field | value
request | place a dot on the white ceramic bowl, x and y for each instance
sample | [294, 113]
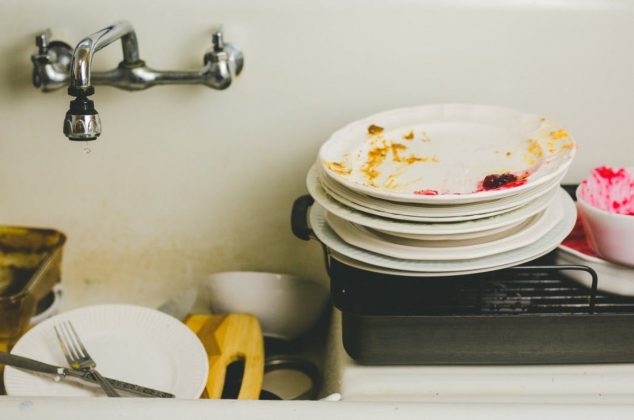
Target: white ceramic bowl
[610, 235]
[287, 306]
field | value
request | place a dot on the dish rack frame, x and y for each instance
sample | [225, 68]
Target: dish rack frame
[527, 314]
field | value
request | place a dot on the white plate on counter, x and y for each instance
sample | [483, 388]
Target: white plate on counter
[541, 246]
[446, 150]
[131, 343]
[410, 249]
[428, 213]
[412, 228]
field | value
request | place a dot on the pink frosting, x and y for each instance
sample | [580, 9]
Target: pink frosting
[609, 190]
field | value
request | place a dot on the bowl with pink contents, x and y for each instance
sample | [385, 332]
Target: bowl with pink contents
[606, 207]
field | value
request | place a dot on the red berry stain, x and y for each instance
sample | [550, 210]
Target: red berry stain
[608, 173]
[426, 192]
[501, 181]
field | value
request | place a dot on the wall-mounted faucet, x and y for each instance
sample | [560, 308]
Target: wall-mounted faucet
[56, 65]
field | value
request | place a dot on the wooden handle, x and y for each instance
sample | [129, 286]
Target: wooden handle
[228, 338]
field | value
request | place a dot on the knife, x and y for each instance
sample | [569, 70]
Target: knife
[62, 372]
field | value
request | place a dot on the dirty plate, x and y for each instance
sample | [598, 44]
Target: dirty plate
[131, 343]
[439, 154]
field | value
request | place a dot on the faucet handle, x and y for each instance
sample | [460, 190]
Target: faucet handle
[236, 58]
[217, 41]
[223, 51]
[41, 40]
[51, 62]
[45, 45]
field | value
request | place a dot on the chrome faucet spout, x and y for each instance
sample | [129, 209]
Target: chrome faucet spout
[86, 48]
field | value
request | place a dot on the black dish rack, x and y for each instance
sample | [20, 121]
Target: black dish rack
[529, 314]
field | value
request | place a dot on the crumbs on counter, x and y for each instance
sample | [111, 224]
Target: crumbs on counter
[375, 130]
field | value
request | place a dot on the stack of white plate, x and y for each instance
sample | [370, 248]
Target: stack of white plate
[442, 190]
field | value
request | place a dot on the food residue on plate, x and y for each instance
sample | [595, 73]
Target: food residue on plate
[339, 167]
[559, 134]
[379, 153]
[426, 192]
[409, 136]
[534, 152]
[375, 130]
[547, 141]
[501, 181]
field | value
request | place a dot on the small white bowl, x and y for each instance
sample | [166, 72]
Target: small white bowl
[287, 306]
[610, 235]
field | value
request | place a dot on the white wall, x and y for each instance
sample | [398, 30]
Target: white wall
[186, 180]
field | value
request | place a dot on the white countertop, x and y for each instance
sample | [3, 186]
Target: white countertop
[132, 408]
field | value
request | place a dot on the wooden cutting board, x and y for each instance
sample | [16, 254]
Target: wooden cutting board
[228, 338]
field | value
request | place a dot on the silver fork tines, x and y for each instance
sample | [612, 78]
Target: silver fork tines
[77, 356]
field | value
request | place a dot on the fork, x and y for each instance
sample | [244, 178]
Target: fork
[77, 356]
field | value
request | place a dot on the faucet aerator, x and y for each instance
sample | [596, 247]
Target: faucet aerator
[82, 122]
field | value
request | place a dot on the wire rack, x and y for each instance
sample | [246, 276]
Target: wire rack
[531, 289]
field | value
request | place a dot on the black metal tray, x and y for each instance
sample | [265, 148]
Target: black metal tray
[524, 315]
[530, 314]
